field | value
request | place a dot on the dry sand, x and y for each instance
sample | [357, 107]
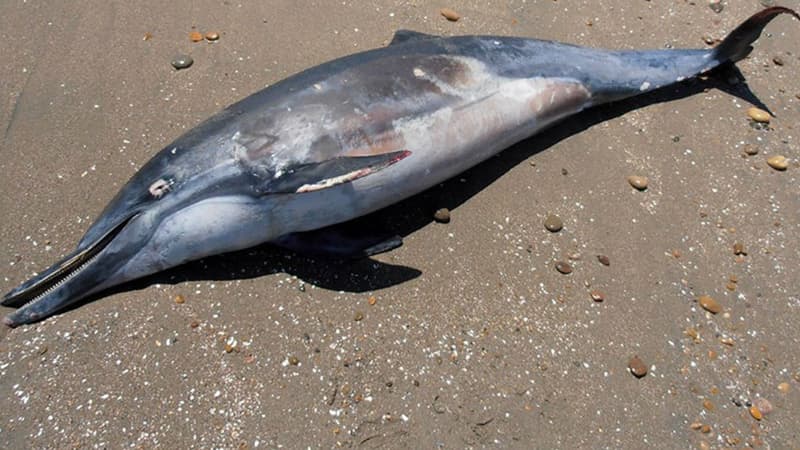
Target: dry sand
[473, 340]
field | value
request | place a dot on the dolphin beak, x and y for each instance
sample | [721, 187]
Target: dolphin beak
[79, 274]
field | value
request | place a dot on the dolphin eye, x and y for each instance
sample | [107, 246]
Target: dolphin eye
[160, 187]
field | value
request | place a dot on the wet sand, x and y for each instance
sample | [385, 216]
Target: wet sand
[466, 336]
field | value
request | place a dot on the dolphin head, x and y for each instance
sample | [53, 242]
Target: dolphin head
[177, 208]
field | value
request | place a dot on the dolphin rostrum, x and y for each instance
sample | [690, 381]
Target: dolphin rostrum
[346, 138]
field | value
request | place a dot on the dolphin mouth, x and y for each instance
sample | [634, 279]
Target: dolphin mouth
[38, 288]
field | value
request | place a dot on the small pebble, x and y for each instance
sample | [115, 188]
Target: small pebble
[179, 299]
[756, 413]
[738, 249]
[709, 304]
[638, 182]
[359, 316]
[372, 300]
[763, 405]
[705, 429]
[293, 360]
[716, 6]
[637, 367]
[597, 296]
[442, 215]
[604, 260]
[784, 387]
[696, 425]
[730, 285]
[758, 115]
[147, 36]
[777, 60]
[212, 36]
[563, 267]
[692, 333]
[778, 162]
[708, 405]
[553, 223]
[182, 62]
[195, 36]
[750, 150]
[450, 14]
[194, 324]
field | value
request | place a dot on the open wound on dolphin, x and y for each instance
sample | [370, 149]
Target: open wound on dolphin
[322, 175]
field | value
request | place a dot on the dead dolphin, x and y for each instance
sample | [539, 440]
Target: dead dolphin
[346, 138]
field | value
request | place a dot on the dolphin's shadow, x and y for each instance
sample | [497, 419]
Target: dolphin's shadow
[407, 216]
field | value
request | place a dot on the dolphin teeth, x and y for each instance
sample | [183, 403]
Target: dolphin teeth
[61, 272]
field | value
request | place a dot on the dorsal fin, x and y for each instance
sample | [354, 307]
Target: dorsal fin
[401, 36]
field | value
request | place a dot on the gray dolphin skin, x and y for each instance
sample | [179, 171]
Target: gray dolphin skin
[347, 138]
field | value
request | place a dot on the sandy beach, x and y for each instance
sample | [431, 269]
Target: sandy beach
[467, 336]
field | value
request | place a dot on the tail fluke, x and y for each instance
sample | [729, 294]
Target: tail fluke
[737, 44]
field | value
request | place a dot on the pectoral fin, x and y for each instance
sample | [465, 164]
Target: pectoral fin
[339, 241]
[322, 175]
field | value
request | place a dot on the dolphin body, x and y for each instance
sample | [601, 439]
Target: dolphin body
[346, 138]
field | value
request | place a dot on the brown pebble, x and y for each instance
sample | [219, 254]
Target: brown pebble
[450, 14]
[777, 60]
[692, 333]
[372, 300]
[705, 429]
[563, 267]
[708, 405]
[738, 249]
[553, 223]
[194, 324]
[147, 36]
[293, 360]
[212, 36]
[705, 445]
[712, 355]
[637, 367]
[756, 413]
[604, 260]
[731, 286]
[750, 150]
[696, 425]
[638, 182]
[784, 387]
[758, 115]
[195, 36]
[442, 215]
[676, 253]
[733, 279]
[597, 296]
[179, 299]
[709, 304]
[778, 162]
[359, 316]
